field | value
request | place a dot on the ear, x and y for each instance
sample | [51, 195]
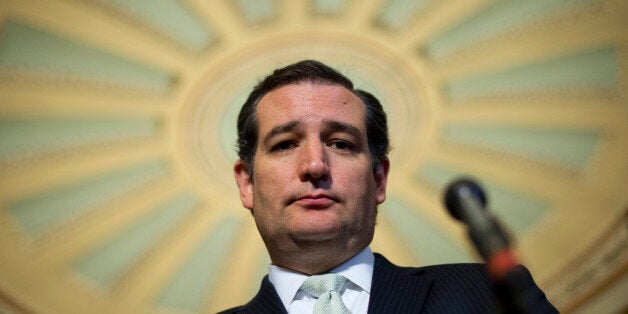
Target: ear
[243, 179]
[381, 179]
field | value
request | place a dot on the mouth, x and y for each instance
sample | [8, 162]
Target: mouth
[315, 201]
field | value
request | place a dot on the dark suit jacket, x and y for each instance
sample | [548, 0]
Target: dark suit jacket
[452, 288]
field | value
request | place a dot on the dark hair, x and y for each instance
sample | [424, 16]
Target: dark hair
[310, 71]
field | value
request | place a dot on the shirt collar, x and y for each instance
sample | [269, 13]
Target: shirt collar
[358, 269]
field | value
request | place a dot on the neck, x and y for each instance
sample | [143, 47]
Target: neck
[313, 258]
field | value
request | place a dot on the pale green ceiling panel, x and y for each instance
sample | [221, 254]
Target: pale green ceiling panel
[427, 242]
[24, 138]
[584, 71]
[37, 213]
[170, 17]
[497, 18]
[517, 210]
[257, 11]
[566, 148]
[190, 288]
[23, 47]
[329, 6]
[106, 264]
[396, 13]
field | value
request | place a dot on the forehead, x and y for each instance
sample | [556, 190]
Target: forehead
[309, 102]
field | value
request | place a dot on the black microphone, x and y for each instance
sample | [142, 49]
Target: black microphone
[466, 201]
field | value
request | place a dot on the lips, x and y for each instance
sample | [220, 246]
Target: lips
[315, 200]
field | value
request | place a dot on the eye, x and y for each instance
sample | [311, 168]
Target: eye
[342, 145]
[283, 146]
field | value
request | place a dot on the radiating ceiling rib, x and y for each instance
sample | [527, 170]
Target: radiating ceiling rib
[33, 138]
[191, 285]
[422, 237]
[257, 12]
[329, 7]
[62, 246]
[540, 181]
[397, 13]
[150, 278]
[20, 100]
[19, 268]
[362, 14]
[294, 13]
[46, 210]
[428, 200]
[583, 102]
[568, 114]
[246, 258]
[228, 24]
[105, 31]
[170, 19]
[608, 169]
[49, 172]
[441, 15]
[106, 264]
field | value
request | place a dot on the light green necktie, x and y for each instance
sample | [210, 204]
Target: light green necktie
[326, 289]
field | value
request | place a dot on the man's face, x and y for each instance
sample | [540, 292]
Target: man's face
[313, 179]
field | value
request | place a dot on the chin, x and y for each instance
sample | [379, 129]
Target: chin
[317, 234]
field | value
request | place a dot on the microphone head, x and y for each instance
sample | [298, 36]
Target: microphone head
[452, 197]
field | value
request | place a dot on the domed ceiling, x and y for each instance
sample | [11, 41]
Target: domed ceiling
[117, 124]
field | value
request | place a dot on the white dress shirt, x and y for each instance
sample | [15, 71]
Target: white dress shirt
[355, 293]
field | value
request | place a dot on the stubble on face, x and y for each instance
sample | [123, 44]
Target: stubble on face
[315, 193]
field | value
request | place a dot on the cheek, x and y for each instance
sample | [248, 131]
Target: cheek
[359, 185]
[269, 184]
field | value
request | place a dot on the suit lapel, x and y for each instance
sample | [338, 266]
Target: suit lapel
[397, 289]
[266, 301]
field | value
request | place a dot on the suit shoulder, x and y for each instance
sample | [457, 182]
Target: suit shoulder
[454, 266]
[237, 309]
[459, 275]
[471, 268]
[446, 272]
[459, 288]
[470, 285]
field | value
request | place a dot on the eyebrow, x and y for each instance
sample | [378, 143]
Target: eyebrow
[280, 129]
[336, 126]
[331, 126]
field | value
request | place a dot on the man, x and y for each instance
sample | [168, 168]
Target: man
[313, 167]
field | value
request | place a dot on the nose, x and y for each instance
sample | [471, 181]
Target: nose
[314, 163]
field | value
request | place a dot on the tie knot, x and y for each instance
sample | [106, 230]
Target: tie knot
[319, 284]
